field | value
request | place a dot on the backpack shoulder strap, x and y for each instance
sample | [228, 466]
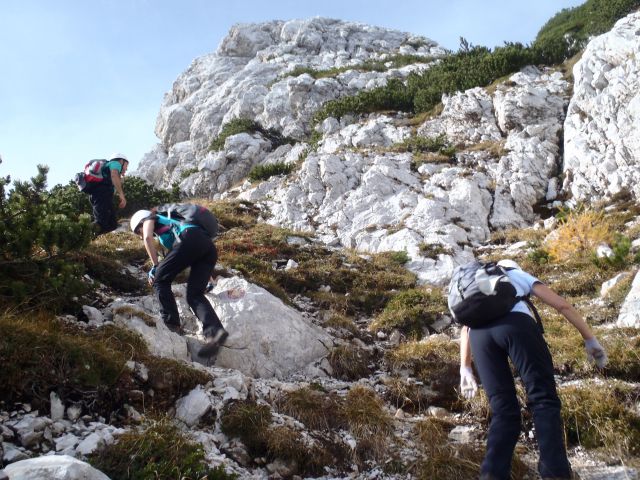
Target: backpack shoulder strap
[527, 300]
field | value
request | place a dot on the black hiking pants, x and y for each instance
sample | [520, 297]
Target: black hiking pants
[517, 336]
[101, 198]
[195, 250]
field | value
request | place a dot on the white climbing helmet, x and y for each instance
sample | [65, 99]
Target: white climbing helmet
[508, 263]
[138, 217]
[119, 156]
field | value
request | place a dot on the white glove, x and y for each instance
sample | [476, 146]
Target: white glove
[468, 384]
[595, 352]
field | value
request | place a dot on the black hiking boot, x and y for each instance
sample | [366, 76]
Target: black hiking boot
[213, 343]
[175, 328]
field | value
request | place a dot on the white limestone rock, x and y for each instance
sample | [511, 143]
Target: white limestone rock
[250, 77]
[12, 453]
[192, 407]
[629, 315]
[467, 117]
[266, 337]
[94, 315]
[602, 141]
[90, 444]
[57, 407]
[74, 412]
[53, 467]
[160, 340]
[30, 429]
[66, 442]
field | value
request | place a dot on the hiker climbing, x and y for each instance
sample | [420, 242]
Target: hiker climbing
[511, 332]
[187, 232]
[100, 179]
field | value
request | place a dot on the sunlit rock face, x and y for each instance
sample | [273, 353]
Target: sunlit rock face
[356, 189]
[602, 139]
[256, 73]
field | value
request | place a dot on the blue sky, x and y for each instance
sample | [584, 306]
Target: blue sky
[81, 79]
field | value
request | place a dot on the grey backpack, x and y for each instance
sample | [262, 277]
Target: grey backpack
[190, 213]
[479, 293]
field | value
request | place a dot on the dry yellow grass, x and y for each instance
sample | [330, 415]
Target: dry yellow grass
[579, 234]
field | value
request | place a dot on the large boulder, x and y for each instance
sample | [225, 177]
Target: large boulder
[142, 317]
[602, 139]
[53, 467]
[266, 337]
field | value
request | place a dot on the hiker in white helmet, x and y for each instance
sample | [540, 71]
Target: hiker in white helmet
[189, 246]
[517, 336]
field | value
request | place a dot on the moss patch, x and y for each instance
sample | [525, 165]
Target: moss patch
[316, 409]
[597, 415]
[159, 451]
[411, 311]
[41, 354]
[350, 362]
[435, 363]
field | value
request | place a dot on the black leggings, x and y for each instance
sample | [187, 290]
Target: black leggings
[195, 250]
[101, 198]
[517, 336]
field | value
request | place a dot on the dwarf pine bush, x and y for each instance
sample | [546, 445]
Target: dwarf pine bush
[566, 33]
[246, 125]
[142, 195]
[263, 172]
[477, 66]
[35, 243]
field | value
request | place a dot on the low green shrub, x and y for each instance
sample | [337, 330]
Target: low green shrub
[566, 33]
[392, 61]
[433, 250]
[476, 66]
[141, 195]
[263, 172]
[246, 125]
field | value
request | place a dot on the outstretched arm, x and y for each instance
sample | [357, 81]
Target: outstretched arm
[595, 352]
[567, 310]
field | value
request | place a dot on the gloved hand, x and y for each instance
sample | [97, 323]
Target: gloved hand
[468, 384]
[595, 352]
[152, 275]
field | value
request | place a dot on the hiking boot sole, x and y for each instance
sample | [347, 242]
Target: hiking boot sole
[210, 348]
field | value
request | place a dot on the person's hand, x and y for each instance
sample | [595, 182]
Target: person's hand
[595, 352]
[123, 202]
[468, 384]
[152, 275]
